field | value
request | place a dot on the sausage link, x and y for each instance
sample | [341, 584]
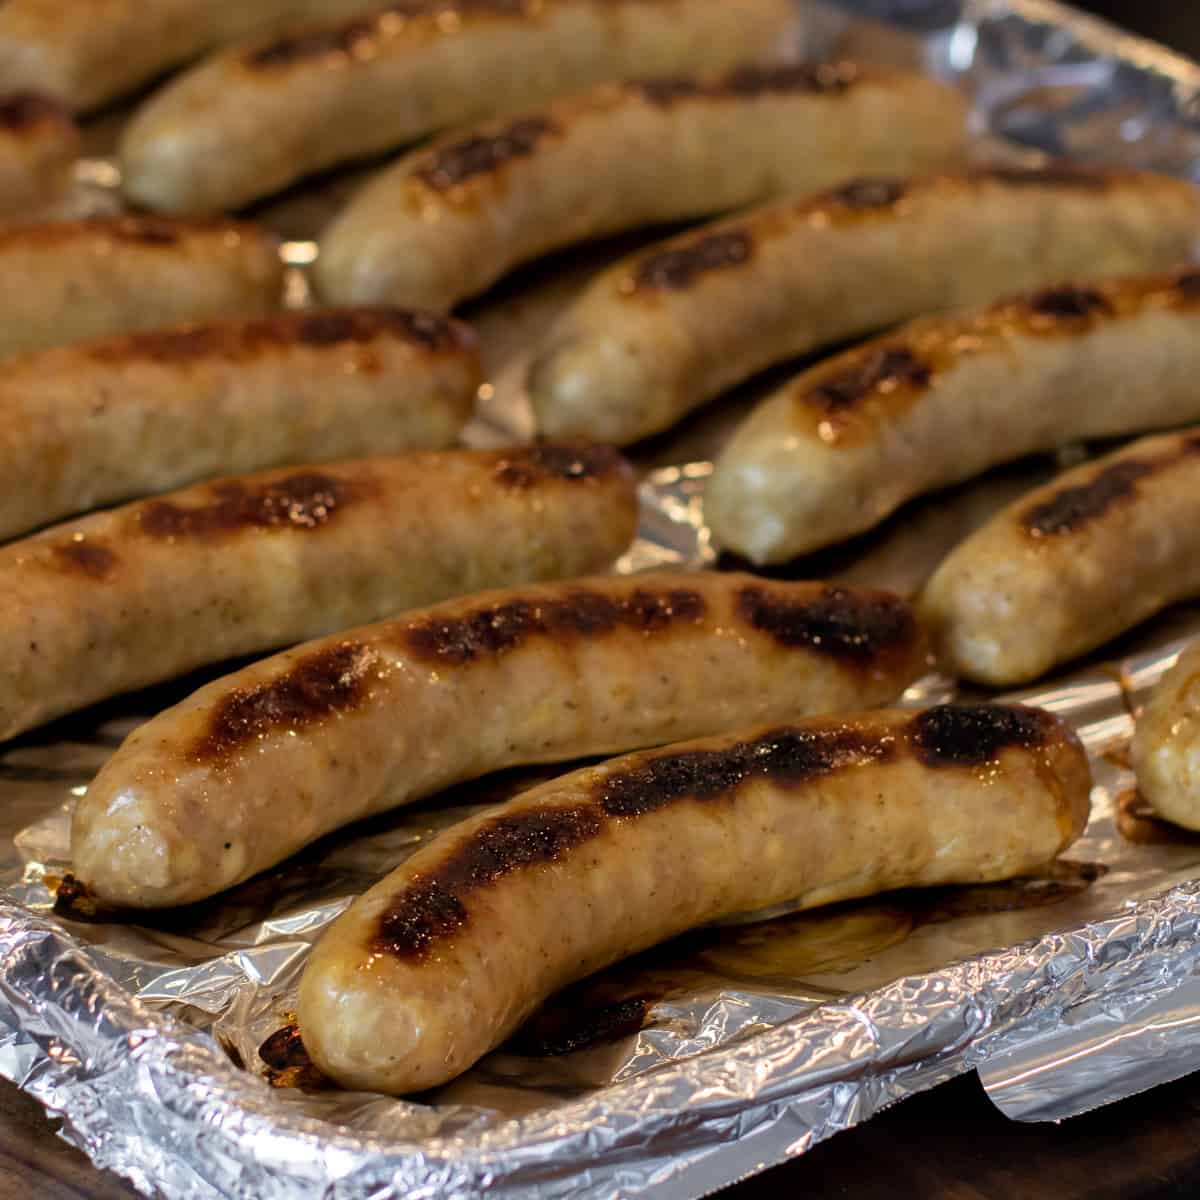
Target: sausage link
[442, 960]
[1073, 564]
[447, 222]
[125, 598]
[844, 445]
[376, 717]
[1166, 743]
[38, 143]
[104, 421]
[68, 280]
[251, 121]
[672, 327]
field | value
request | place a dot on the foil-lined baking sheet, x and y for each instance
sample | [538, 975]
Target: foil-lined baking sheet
[168, 1048]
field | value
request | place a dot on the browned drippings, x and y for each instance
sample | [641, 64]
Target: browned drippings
[334, 679]
[305, 501]
[893, 366]
[566, 1028]
[496, 629]
[1060, 880]
[232, 1052]
[22, 111]
[961, 735]
[84, 556]
[859, 628]
[751, 81]
[456, 163]
[530, 466]
[288, 1064]
[73, 899]
[1138, 822]
[680, 268]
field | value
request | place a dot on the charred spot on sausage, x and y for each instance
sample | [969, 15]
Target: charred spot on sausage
[868, 194]
[890, 368]
[21, 111]
[752, 80]
[672, 270]
[457, 163]
[960, 735]
[531, 465]
[84, 555]
[1069, 303]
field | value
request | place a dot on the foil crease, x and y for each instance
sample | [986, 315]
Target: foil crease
[757, 1040]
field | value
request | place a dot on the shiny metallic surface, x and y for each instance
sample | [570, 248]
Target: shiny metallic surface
[757, 1040]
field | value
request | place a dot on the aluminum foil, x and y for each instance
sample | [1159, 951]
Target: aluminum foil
[730, 1050]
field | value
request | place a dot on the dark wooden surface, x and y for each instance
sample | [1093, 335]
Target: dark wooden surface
[950, 1143]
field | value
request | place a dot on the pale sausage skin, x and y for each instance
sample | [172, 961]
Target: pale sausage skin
[139, 594]
[1166, 743]
[257, 118]
[674, 326]
[69, 280]
[1073, 564]
[87, 53]
[446, 222]
[104, 421]
[447, 956]
[257, 765]
[38, 143]
[844, 445]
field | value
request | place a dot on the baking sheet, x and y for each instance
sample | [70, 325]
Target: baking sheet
[166, 1045]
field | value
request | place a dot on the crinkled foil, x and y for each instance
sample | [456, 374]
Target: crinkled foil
[729, 1050]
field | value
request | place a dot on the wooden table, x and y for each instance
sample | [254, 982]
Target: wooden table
[950, 1143]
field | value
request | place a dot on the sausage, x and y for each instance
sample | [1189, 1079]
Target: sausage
[1073, 564]
[1165, 742]
[446, 222]
[38, 143]
[68, 280]
[139, 594]
[89, 55]
[672, 327]
[448, 955]
[249, 122]
[377, 717]
[845, 444]
[107, 420]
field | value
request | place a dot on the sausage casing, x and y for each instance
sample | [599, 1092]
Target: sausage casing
[38, 143]
[1166, 743]
[845, 444]
[89, 55]
[672, 327]
[375, 717]
[103, 421]
[253, 120]
[68, 280]
[1073, 564]
[128, 597]
[443, 959]
[446, 222]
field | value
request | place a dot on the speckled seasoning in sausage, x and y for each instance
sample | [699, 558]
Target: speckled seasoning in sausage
[380, 716]
[443, 960]
[135, 595]
[68, 280]
[1072, 564]
[107, 420]
[251, 121]
[675, 325]
[445, 223]
[845, 444]
[38, 143]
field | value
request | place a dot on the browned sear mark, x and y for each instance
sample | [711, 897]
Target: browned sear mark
[529, 466]
[673, 270]
[87, 556]
[751, 81]
[890, 368]
[1069, 303]
[332, 680]
[458, 162]
[496, 629]
[306, 500]
[859, 628]
[1054, 175]
[961, 735]
[868, 194]
[21, 111]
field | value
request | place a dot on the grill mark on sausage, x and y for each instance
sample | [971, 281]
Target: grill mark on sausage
[961, 735]
[859, 628]
[748, 81]
[498, 628]
[458, 162]
[674, 270]
[886, 369]
[1055, 175]
[335, 679]
[238, 340]
[306, 500]
[1069, 303]
[431, 908]
[1187, 285]
[532, 465]
[23, 111]
[86, 556]
[142, 230]
[868, 194]
[1069, 509]
[354, 35]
